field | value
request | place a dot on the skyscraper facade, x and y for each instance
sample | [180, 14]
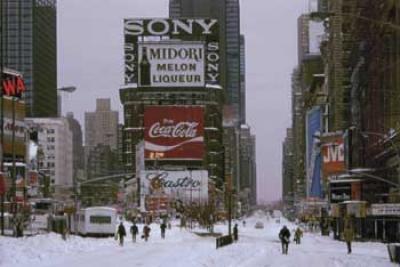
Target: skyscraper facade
[101, 126]
[29, 46]
[55, 140]
[228, 14]
[77, 145]
[242, 80]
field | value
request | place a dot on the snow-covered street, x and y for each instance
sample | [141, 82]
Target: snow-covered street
[256, 247]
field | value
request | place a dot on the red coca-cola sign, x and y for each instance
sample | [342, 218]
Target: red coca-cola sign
[174, 132]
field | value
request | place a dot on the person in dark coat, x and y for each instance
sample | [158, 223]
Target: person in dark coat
[284, 236]
[348, 235]
[134, 231]
[298, 234]
[121, 233]
[146, 232]
[163, 226]
[235, 232]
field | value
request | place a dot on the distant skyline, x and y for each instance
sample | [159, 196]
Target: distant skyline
[90, 57]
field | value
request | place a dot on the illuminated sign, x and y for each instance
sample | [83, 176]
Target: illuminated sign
[174, 132]
[171, 64]
[174, 59]
[13, 84]
[332, 149]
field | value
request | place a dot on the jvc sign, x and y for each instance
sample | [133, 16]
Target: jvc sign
[333, 154]
[172, 52]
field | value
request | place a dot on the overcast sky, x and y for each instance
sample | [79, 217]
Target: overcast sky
[90, 57]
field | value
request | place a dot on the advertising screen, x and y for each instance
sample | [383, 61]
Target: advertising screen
[332, 148]
[14, 108]
[171, 64]
[313, 159]
[186, 53]
[186, 186]
[174, 132]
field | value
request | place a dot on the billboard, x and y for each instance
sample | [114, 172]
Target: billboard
[186, 186]
[174, 132]
[313, 153]
[332, 149]
[189, 46]
[171, 64]
[14, 115]
[12, 83]
[392, 209]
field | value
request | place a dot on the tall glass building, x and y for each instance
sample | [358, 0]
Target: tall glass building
[29, 46]
[228, 14]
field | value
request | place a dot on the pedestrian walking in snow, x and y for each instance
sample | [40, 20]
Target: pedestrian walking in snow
[64, 233]
[244, 223]
[134, 232]
[284, 236]
[348, 235]
[163, 226]
[235, 233]
[298, 234]
[121, 233]
[146, 232]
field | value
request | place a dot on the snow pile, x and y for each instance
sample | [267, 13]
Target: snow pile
[41, 248]
[182, 248]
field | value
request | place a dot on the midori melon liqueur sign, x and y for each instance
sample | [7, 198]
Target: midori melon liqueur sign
[172, 52]
[171, 64]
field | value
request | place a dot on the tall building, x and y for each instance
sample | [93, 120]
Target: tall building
[242, 80]
[77, 142]
[55, 141]
[303, 37]
[253, 171]
[228, 14]
[248, 175]
[339, 46]
[30, 47]
[233, 73]
[287, 169]
[101, 126]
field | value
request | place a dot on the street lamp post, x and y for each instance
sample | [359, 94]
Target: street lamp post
[65, 89]
[364, 172]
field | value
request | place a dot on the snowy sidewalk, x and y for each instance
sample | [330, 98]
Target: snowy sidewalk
[256, 247]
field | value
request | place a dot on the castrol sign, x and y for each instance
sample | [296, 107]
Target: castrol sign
[174, 132]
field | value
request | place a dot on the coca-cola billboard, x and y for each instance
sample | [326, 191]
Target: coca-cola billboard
[174, 132]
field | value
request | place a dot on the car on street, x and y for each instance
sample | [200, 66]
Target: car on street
[259, 225]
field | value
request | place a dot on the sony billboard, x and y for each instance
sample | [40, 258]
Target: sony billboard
[186, 52]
